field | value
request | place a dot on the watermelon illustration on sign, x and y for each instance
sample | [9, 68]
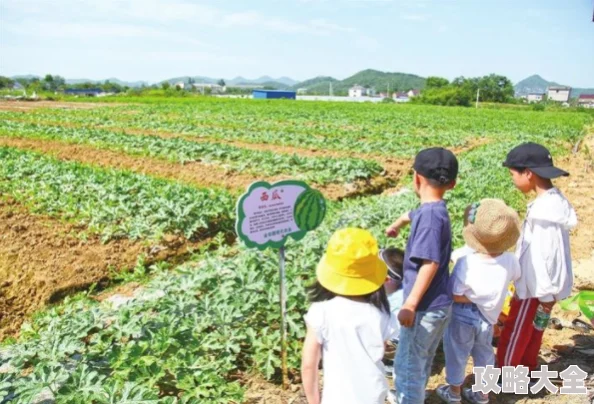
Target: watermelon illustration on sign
[310, 209]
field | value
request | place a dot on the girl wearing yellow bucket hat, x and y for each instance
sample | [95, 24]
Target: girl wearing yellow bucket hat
[348, 323]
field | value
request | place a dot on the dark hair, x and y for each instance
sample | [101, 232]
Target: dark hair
[518, 169]
[318, 293]
[442, 182]
[394, 259]
[438, 184]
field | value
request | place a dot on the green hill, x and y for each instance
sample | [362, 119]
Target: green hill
[536, 84]
[367, 78]
[317, 86]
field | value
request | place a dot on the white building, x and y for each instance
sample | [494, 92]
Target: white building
[214, 88]
[559, 93]
[535, 97]
[357, 91]
[586, 100]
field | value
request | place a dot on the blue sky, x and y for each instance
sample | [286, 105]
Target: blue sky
[157, 39]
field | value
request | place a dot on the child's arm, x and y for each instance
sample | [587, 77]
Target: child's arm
[312, 352]
[426, 274]
[394, 228]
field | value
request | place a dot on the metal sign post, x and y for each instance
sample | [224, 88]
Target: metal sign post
[283, 304]
[267, 215]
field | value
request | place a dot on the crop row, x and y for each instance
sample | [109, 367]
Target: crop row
[396, 130]
[314, 169]
[112, 203]
[190, 335]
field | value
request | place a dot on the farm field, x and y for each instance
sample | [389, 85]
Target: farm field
[140, 198]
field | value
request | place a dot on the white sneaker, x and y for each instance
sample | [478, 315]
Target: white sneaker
[392, 396]
[475, 397]
[446, 395]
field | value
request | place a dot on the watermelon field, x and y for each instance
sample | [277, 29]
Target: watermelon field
[121, 279]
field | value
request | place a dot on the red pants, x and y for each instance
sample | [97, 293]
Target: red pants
[520, 342]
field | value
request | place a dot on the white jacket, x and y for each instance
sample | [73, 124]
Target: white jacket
[543, 249]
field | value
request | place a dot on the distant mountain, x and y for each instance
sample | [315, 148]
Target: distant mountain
[185, 79]
[381, 81]
[286, 81]
[275, 85]
[533, 84]
[111, 80]
[282, 82]
[536, 84]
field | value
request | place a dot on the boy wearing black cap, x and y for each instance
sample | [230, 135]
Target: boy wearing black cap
[543, 252]
[427, 303]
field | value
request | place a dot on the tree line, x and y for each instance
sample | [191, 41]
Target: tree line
[54, 83]
[463, 91]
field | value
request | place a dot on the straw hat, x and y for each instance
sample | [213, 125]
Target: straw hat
[351, 265]
[493, 227]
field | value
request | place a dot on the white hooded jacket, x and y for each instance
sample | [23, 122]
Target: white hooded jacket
[543, 249]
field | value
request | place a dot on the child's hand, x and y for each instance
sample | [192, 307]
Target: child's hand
[406, 316]
[392, 231]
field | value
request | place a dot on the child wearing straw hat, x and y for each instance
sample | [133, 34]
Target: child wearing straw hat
[479, 285]
[348, 323]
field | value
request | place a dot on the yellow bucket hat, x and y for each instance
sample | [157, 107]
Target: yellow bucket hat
[351, 265]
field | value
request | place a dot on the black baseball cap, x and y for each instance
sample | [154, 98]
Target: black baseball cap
[438, 164]
[534, 157]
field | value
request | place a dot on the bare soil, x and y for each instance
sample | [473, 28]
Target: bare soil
[43, 260]
[32, 105]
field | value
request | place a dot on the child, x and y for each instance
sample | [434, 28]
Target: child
[427, 303]
[543, 252]
[479, 286]
[394, 259]
[348, 323]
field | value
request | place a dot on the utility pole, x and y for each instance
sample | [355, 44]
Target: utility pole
[477, 96]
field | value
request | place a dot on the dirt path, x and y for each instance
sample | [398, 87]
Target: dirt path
[32, 105]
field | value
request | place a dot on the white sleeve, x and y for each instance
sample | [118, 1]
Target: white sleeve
[544, 247]
[390, 326]
[516, 268]
[459, 286]
[316, 319]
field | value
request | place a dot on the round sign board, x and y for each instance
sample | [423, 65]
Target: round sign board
[267, 214]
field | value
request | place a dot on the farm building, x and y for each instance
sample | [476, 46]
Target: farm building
[535, 97]
[88, 92]
[357, 91]
[559, 93]
[586, 100]
[273, 94]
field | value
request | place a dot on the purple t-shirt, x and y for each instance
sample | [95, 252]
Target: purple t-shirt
[430, 239]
